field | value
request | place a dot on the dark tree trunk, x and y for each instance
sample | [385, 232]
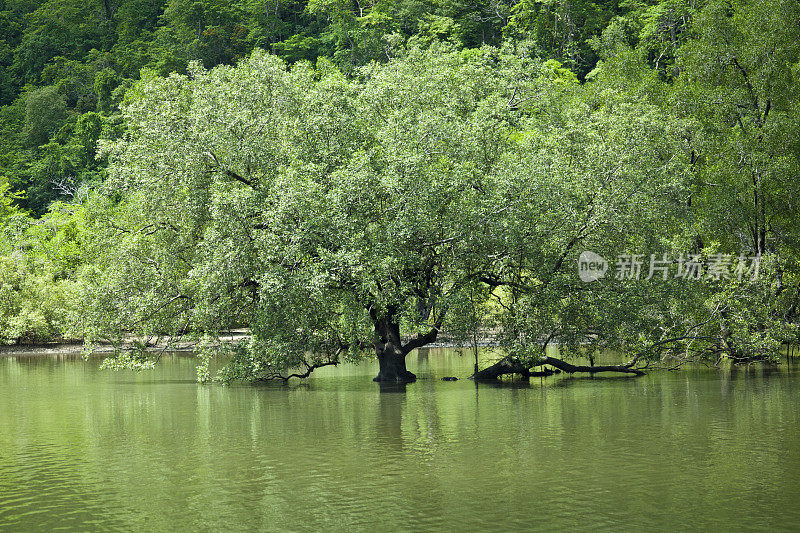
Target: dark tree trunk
[392, 361]
[390, 351]
[506, 365]
[509, 365]
[389, 346]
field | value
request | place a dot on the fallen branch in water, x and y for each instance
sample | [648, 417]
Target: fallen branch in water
[512, 365]
[569, 369]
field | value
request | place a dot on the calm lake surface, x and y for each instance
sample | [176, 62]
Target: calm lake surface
[83, 449]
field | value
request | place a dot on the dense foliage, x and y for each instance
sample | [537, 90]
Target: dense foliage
[349, 178]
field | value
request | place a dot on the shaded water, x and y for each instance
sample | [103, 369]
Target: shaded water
[82, 449]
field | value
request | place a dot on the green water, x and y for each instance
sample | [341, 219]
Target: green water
[82, 449]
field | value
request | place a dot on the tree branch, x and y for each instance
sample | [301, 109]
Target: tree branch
[513, 365]
[229, 173]
[309, 370]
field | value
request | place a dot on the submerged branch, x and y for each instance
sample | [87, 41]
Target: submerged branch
[309, 370]
[512, 365]
[569, 368]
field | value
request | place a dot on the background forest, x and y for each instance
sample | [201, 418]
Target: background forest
[341, 176]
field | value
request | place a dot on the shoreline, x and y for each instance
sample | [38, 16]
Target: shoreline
[75, 347]
[69, 348]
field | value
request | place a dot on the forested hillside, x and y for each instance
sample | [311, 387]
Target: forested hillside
[350, 178]
[65, 64]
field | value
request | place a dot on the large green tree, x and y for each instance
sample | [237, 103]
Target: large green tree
[334, 215]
